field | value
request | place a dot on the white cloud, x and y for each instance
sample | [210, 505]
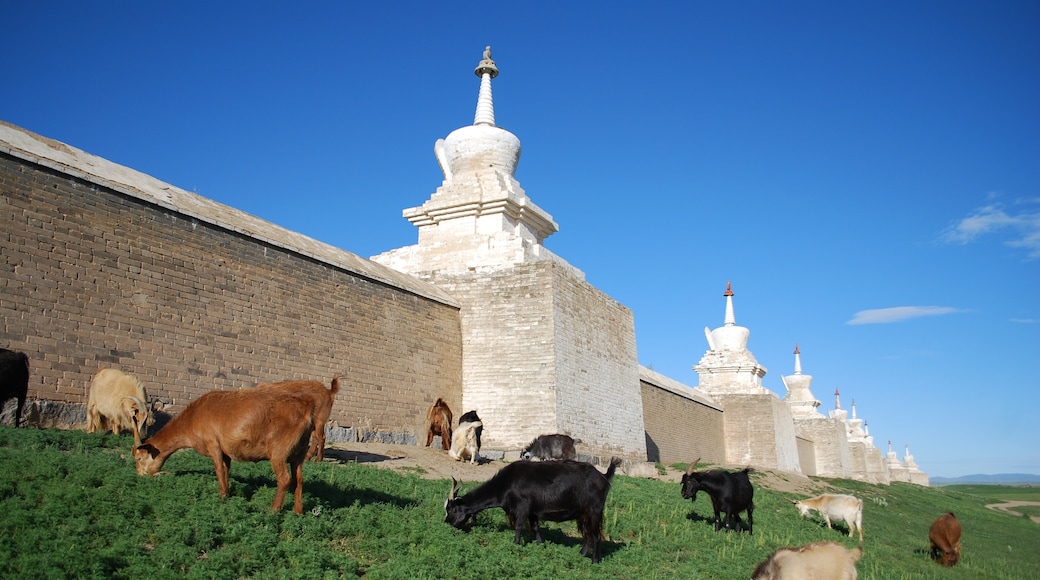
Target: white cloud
[1025, 320]
[1022, 228]
[898, 314]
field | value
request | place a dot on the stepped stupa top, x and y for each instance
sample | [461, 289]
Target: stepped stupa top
[483, 144]
[838, 412]
[728, 366]
[479, 217]
[729, 336]
[803, 403]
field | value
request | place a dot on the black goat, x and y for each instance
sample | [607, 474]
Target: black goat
[550, 447]
[531, 492]
[14, 379]
[731, 493]
[471, 417]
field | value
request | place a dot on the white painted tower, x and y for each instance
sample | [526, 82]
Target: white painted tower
[543, 351]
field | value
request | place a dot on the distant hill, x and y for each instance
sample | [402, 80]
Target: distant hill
[981, 479]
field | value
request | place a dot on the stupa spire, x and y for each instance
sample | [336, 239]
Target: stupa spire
[731, 319]
[486, 70]
[797, 360]
[837, 399]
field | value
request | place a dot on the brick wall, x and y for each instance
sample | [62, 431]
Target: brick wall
[680, 429]
[91, 277]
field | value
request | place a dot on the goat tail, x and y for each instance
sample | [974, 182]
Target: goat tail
[614, 463]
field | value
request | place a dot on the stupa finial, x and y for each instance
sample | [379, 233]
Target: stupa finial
[486, 70]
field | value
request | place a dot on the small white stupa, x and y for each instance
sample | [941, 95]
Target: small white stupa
[479, 218]
[728, 367]
[838, 412]
[799, 396]
[856, 432]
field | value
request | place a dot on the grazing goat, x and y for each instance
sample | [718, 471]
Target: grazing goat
[245, 425]
[532, 492]
[730, 492]
[321, 398]
[117, 401]
[471, 417]
[438, 419]
[945, 539]
[14, 379]
[815, 561]
[464, 442]
[550, 447]
[837, 507]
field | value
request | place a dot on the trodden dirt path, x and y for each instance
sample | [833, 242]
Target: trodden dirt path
[1007, 506]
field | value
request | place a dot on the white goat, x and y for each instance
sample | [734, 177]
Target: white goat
[837, 507]
[464, 442]
[815, 561]
[117, 401]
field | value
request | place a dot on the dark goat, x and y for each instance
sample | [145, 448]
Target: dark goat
[532, 492]
[14, 379]
[471, 417]
[550, 447]
[438, 421]
[731, 493]
[945, 539]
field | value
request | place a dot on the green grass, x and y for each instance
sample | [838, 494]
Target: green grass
[71, 505]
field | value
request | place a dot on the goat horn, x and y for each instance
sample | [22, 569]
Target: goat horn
[693, 465]
[454, 488]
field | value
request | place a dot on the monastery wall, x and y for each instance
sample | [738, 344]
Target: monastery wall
[680, 425]
[759, 430]
[511, 388]
[101, 266]
[545, 352]
[830, 447]
[806, 455]
[597, 370]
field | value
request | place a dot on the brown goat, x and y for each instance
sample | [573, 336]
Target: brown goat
[815, 561]
[321, 399]
[245, 425]
[945, 539]
[438, 419]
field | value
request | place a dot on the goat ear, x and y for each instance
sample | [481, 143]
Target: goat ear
[149, 448]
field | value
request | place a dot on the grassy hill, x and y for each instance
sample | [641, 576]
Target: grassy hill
[71, 505]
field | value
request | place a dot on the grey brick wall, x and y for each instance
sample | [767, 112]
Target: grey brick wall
[93, 278]
[680, 429]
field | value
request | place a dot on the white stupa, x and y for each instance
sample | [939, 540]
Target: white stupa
[856, 432]
[728, 366]
[479, 218]
[799, 396]
[838, 412]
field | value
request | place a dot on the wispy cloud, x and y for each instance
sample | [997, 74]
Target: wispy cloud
[1025, 320]
[1021, 226]
[898, 314]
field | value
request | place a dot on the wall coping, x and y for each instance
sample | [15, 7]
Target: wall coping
[29, 146]
[660, 381]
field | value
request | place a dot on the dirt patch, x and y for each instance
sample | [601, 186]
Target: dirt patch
[434, 463]
[1007, 506]
[427, 462]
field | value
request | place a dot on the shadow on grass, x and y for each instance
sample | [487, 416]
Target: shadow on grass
[554, 535]
[345, 456]
[742, 525]
[327, 495]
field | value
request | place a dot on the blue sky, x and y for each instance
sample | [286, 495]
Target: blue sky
[866, 174]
